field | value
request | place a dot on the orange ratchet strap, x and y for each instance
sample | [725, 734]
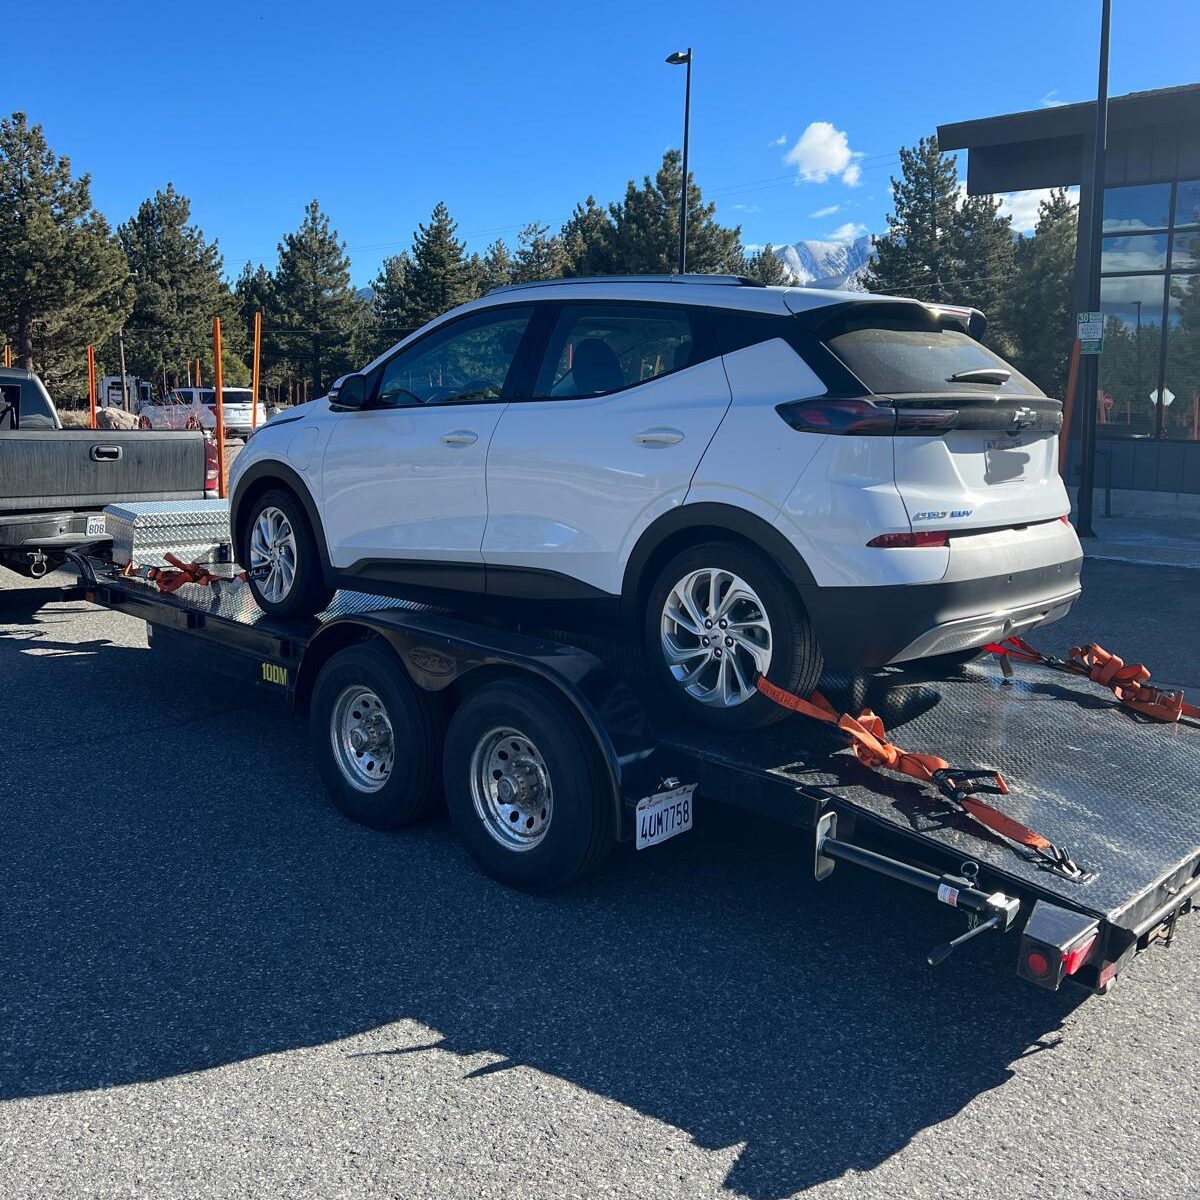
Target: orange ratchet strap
[184, 572]
[868, 740]
[1126, 681]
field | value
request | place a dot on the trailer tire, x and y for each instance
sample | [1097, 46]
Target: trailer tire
[376, 738]
[526, 787]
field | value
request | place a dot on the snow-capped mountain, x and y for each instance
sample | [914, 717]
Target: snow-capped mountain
[826, 264]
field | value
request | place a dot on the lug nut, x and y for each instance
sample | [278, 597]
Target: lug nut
[723, 623]
[717, 652]
[704, 641]
[729, 641]
[708, 622]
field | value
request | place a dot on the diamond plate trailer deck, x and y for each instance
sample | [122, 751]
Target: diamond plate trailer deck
[1120, 793]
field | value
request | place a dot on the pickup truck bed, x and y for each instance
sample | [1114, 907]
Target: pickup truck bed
[52, 479]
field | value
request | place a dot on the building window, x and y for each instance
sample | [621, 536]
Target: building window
[1150, 296]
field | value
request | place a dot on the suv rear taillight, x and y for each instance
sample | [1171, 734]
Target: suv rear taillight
[210, 465]
[827, 414]
[831, 415]
[926, 537]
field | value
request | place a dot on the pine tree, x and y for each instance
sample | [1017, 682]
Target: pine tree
[438, 279]
[389, 307]
[645, 235]
[539, 254]
[315, 300]
[985, 262]
[178, 290]
[918, 254]
[587, 240]
[497, 266]
[1041, 315]
[765, 266]
[64, 280]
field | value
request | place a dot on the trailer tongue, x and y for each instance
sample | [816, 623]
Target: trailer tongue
[1115, 790]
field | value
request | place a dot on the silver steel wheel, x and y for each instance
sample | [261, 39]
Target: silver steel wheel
[364, 747]
[716, 638]
[510, 786]
[273, 554]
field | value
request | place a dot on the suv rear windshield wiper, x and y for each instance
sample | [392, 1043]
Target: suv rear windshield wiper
[996, 375]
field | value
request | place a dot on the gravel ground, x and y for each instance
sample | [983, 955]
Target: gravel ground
[214, 986]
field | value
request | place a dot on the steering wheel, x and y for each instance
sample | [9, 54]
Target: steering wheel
[466, 392]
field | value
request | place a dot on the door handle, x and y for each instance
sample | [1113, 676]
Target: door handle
[460, 437]
[660, 435]
[104, 453]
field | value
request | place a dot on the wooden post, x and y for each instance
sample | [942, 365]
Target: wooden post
[222, 483]
[91, 369]
[1068, 404]
[198, 382]
[254, 380]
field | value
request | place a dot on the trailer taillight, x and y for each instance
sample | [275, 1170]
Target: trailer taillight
[925, 537]
[1074, 958]
[1037, 964]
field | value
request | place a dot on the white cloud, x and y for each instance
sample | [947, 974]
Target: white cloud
[822, 153]
[827, 211]
[781, 140]
[847, 232]
[1051, 100]
[1023, 206]
[747, 208]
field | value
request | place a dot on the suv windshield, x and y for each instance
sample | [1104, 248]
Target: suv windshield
[897, 354]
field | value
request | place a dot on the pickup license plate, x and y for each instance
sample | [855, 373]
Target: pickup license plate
[663, 815]
[96, 526]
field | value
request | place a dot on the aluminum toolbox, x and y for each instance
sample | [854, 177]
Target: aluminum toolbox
[193, 529]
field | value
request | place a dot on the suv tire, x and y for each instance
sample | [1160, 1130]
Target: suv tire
[279, 538]
[717, 614]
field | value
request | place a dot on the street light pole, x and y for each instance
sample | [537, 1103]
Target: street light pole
[1089, 373]
[680, 58]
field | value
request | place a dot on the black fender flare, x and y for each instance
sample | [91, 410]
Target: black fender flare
[674, 529]
[270, 471]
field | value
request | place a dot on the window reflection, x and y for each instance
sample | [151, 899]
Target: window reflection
[1144, 252]
[1133, 320]
[1187, 202]
[1185, 252]
[1145, 206]
[1181, 419]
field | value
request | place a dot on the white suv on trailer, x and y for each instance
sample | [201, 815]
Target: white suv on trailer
[753, 480]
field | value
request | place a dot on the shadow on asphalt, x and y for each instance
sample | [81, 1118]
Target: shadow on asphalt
[178, 895]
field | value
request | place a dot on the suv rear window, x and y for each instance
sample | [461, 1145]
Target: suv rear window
[894, 354]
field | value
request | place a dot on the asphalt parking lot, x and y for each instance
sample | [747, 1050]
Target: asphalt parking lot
[215, 986]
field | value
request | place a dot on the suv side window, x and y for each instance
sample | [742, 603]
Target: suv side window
[465, 362]
[595, 349]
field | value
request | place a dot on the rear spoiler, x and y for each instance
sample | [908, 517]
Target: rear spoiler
[970, 320]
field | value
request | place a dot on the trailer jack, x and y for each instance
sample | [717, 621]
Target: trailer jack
[984, 911]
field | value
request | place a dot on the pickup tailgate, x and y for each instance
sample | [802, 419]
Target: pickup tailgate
[83, 468]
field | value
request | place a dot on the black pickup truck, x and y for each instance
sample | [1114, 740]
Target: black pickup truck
[55, 482]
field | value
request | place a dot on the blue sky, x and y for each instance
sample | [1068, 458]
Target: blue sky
[512, 112]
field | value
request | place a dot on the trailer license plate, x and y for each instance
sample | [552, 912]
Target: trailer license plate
[663, 815]
[96, 526]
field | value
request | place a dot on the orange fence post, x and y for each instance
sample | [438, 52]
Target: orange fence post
[91, 370]
[254, 381]
[1068, 408]
[221, 480]
[7, 355]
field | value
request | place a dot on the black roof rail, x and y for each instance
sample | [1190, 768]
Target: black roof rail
[710, 280]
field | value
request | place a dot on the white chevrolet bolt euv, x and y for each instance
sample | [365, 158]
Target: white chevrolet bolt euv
[752, 480]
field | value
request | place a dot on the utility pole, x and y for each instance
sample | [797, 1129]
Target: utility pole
[1089, 367]
[124, 377]
[679, 58]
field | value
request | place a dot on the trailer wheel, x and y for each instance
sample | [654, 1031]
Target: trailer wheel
[376, 738]
[526, 787]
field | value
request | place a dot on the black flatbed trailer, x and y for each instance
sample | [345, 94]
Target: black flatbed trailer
[1122, 794]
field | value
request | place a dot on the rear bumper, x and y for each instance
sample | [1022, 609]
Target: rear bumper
[54, 531]
[871, 626]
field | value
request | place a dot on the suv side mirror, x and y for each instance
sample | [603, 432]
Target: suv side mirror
[350, 391]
